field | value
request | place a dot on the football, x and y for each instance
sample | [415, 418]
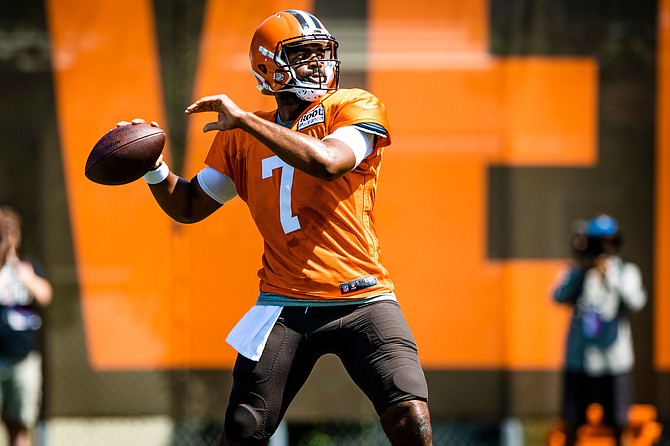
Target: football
[124, 154]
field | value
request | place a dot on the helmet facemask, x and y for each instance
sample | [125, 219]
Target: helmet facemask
[322, 76]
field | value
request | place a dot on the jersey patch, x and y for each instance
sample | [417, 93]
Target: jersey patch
[316, 116]
[358, 284]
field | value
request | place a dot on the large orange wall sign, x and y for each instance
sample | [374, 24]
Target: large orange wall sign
[104, 74]
[455, 111]
[662, 233]
[157, 294]
[154, 294]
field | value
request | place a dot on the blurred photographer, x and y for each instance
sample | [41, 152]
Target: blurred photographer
[602, 290]
[23, 290]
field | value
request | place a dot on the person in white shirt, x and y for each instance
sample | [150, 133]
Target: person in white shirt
[23, 291]
[603, 290]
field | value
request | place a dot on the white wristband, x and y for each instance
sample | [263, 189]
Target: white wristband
[157, 175]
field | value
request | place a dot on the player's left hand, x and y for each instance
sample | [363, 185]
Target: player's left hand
[136, 121]
[229, 112]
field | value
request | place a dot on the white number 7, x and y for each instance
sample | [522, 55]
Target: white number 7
[289, 222]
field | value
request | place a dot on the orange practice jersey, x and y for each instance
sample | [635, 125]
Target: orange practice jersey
[319, 237]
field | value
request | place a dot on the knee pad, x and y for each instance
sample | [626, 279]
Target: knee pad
[243, 422]
[411, 381]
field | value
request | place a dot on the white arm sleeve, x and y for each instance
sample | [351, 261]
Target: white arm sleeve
[217, 185]
[360, 142]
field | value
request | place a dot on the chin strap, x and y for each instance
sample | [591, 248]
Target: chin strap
[306, 94]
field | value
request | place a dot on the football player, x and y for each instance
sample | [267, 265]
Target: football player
[308, 172]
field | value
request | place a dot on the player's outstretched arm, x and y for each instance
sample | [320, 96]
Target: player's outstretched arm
[326, 159]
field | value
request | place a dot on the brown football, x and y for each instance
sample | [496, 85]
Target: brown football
[124, 154]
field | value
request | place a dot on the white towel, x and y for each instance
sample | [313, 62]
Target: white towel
[251, 333]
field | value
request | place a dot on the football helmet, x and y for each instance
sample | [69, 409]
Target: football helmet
[270, 63]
